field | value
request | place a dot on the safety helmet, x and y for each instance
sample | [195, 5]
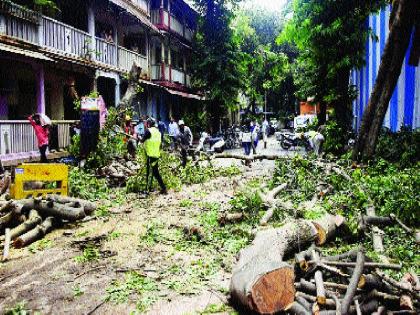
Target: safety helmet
[181, 123]
[151, 122]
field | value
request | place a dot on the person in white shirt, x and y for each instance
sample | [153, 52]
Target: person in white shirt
[246, 139]
[264, 130]
[255, 129]
[173, 131]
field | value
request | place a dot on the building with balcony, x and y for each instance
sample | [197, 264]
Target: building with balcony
[49, 58]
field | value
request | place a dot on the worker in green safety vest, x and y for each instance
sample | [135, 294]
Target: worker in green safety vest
[152, 140]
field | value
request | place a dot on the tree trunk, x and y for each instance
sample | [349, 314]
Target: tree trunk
[389, 72]
[132, 90]
[262, 280]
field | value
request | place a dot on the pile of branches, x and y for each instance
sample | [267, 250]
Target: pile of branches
[118, 170]
[23, 222]
[350, 283]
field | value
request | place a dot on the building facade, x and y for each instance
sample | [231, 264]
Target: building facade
[49, 59]
[404, 107]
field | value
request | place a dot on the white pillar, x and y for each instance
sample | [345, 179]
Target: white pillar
[40, 88]
[117, 91]
[91, 29]
[2, 24]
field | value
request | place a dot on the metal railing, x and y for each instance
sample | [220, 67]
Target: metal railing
[17, 136]
[126, 58]
[61, 37]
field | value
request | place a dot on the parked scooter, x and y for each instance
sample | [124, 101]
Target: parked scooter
[216, 144]
[288, 140]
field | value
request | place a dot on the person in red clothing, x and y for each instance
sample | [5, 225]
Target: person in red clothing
[41, 132]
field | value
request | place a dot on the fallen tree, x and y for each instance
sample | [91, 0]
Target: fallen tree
[262, 280]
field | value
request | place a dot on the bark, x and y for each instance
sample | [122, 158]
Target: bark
[33, 220]
[368, 265]
[321, 297]
[131, 93]
[88, 206]
[389, 72]
[312, 299]
[309, 287]
[303, 257]
[350, 255]
[55, 209]
[327, 226]
[398, 285]
[297, 309]
[35, 234]
[261, 280]
[6, 245]
[5, 184]
[354, 281]
[270, 202]
[304, 302]
[406, 303]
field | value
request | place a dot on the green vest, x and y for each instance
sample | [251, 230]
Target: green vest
[152, 145]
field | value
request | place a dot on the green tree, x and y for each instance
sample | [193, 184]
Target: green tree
[216, 70]
[330, 36]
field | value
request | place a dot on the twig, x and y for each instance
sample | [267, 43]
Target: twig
[89, 270]
[366, 265]
[6, 244]
[96, 308]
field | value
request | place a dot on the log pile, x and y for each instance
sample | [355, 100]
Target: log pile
[118, 171]
[265, 282]
[23, 222]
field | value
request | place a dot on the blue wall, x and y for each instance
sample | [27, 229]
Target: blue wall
[404, 107]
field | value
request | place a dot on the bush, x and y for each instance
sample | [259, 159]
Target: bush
[401, 147]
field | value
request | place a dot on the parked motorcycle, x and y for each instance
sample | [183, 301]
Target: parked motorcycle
[209, 144]
[288, 140]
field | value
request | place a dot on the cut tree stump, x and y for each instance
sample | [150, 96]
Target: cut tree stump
[261, 280]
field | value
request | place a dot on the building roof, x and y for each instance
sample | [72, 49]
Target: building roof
[24, 52]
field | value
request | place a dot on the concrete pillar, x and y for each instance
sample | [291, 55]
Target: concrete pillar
[184, 57]
[117, 91]
[91, 29]
[40, 89]
[162, 44]
[170, 61]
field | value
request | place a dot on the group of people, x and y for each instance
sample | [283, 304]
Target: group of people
[250, 135]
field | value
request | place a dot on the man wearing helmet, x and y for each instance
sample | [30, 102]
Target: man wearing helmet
[152, 143]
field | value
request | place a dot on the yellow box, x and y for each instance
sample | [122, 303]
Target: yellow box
[29, 174]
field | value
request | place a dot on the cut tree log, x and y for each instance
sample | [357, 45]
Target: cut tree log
[55, 209]
[33, 220]
[350, 255]
[261, 280]
[368, 265]
[5, 184]
[35, 234]
[312, 299]
[354, 281]
[406, 303]
[6, 245]
[88, 206]
[319, 281]
[327, 226]
[303, 257]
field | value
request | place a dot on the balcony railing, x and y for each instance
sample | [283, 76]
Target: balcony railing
[64, 39]
[60, 37]
[160, 17]
[17, 136]
[106, 52]
[142, 4]
[171, 75]
[126, 58]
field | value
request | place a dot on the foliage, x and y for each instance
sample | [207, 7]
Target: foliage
[402, 147]
[264, 65]
[134, 283]
[317, 29]
[78, 291]
[216, 67]
[90, 253]
[247, 201]
[86, 186]
[18, 309]
[335, 138]
[40, 245]
[173, 175]
[391, 189]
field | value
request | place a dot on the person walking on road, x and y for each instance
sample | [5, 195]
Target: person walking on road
[41, 124]
[246, 138]
[185, 139]
[152, 143]
[255, 130]
[173, 131]
[264, 129]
